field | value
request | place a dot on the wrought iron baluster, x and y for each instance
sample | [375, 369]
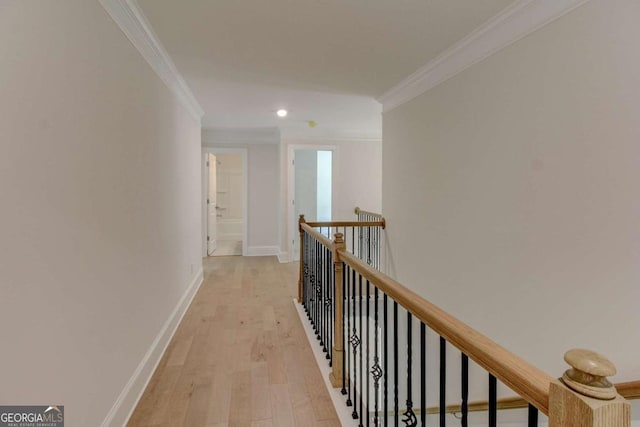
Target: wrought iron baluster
[385, 360]
[493, 401]
[345, 299]
[532, 416]
[443, 382]
[368, 302]
[376, 371]
[353, 240]
[332, 307]
[305, 272]
[321, 297]
[355, 342]
[361, 350]
[409, 416]
[318, 297]
[349, 316]
[327, 304]
[423, 375]
[395, 365]
[464, 390]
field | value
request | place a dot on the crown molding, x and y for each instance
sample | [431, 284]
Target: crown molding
[516, 21]
[269, 135]
[128, 16]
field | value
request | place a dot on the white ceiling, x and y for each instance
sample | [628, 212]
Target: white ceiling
[323, 60]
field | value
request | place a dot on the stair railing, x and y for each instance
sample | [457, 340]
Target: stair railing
[371, 328]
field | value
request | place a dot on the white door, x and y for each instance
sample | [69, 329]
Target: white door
[211, 206]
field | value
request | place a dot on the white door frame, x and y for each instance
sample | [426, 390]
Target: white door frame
[245, 188]
[291, 187]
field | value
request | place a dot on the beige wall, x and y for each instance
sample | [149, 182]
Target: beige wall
[100, 207]
[512, 191]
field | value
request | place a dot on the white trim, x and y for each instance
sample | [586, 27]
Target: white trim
[342, 410]
[128, 16]
[245, 189]
[268, 135]
[263, 251]
[283, 257]
[123, 407]
[516, 21]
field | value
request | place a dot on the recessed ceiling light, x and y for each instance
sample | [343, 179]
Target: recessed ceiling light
[282, 113]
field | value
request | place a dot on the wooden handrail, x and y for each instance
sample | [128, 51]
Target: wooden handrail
[525, 379]
[359, 211]
[316, 234]
[345, 224]
[628, 390]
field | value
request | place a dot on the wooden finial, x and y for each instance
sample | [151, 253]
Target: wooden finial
[338, 238]
[589, 373]
[357, 210]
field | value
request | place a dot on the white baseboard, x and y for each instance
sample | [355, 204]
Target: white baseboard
[123, 407]
[263, 250]
[284, 257]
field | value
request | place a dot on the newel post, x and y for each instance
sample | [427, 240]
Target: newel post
[300, 277]
[337, 372]
[584, 397]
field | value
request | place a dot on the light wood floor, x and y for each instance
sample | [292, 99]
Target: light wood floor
[240, 356]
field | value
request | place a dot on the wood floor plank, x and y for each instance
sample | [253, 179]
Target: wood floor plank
[240, 356]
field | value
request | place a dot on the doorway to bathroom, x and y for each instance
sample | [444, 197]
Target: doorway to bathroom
[226, 202]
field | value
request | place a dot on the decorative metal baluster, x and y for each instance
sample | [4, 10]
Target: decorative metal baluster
[409, 416]
[321, 296]
[378, 244]
[396, 410]
[312, 282]
[355, 342]
[360, 243]
[464, 390]
[533, 416]
[323, 306]
[493, 401]
[376, 371]
[345, 300]
[319, 293]
[349, 315]
[443, 381]
[385, 361]
[325, 296]
[369, 245]
[361, 350]
[309, 272]
[368, 302]
[353, 240]
[305, 271]
[423, 375]
[329, 303]
[312, 278]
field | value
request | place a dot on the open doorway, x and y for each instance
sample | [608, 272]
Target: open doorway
[312, 182]
[226, 202]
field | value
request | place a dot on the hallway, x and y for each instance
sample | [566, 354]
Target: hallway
[240, 356]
